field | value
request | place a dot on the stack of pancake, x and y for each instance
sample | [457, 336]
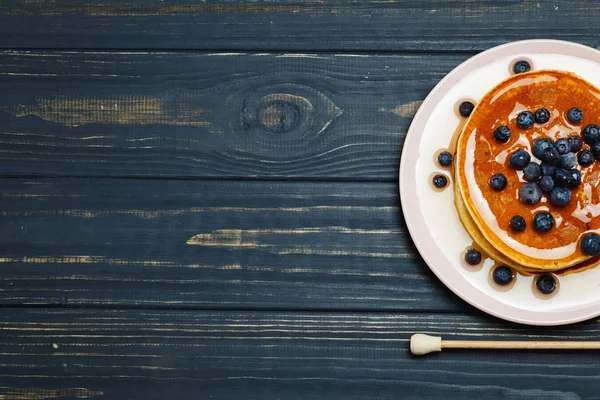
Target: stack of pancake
[486, 213]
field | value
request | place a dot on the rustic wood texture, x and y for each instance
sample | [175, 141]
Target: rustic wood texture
[120, 354]
[325, 116]
[214, 244]
[199, 199]
[389, 25]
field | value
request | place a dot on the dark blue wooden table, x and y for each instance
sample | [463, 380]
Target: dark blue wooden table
[199, 199]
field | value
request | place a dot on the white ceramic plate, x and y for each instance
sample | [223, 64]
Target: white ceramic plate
[431, 217]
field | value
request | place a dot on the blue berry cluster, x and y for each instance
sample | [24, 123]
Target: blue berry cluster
[556, 173]
[555, 176]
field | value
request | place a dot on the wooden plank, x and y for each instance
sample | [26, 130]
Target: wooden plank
[292, 24]
[324, 116]
[177, 243]
[121, 354]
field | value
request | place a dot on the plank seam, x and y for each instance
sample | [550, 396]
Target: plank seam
[252, 51]
[238, 309]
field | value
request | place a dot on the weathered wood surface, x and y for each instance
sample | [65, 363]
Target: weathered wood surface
[281, 266]
[437, 25]
[213, 244]
[326, 116]
[120, 354]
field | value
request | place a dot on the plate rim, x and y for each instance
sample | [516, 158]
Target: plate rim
[415, 221]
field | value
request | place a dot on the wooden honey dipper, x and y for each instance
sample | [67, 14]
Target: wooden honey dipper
[424, 344]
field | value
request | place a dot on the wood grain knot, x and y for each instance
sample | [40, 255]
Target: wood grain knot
[279, 115]
[283, 116]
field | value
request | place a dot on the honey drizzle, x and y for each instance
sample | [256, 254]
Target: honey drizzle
[519, 270]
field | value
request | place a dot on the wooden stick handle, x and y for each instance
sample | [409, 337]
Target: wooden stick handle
[486, 344]
[424, 344]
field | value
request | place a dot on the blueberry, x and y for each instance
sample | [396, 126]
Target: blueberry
[440, 181]
[568, 178]
[546, 183]
[575, 115]
[591, 133]
[517, 223]
[544, 150]
[575, 143]
[519, 159]
[562, 145]
[552, 157]
[466, 108]
[546, 284]
[561, 177]
[560, 196]
[532, 172]
[595, 149]
[498, 181]
[540, 145]
[590, 244]
[542, 116]
[445, 158]
[575, 178]
[502, 133]
[503, 275]
[521, 66]
[473, 257]
[585, 158]
[567, 161]
[525, 120]
[530, 193]
[543, 221]
[548, 169]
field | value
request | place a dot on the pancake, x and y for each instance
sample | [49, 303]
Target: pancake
[485, 212]
[480, 240]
